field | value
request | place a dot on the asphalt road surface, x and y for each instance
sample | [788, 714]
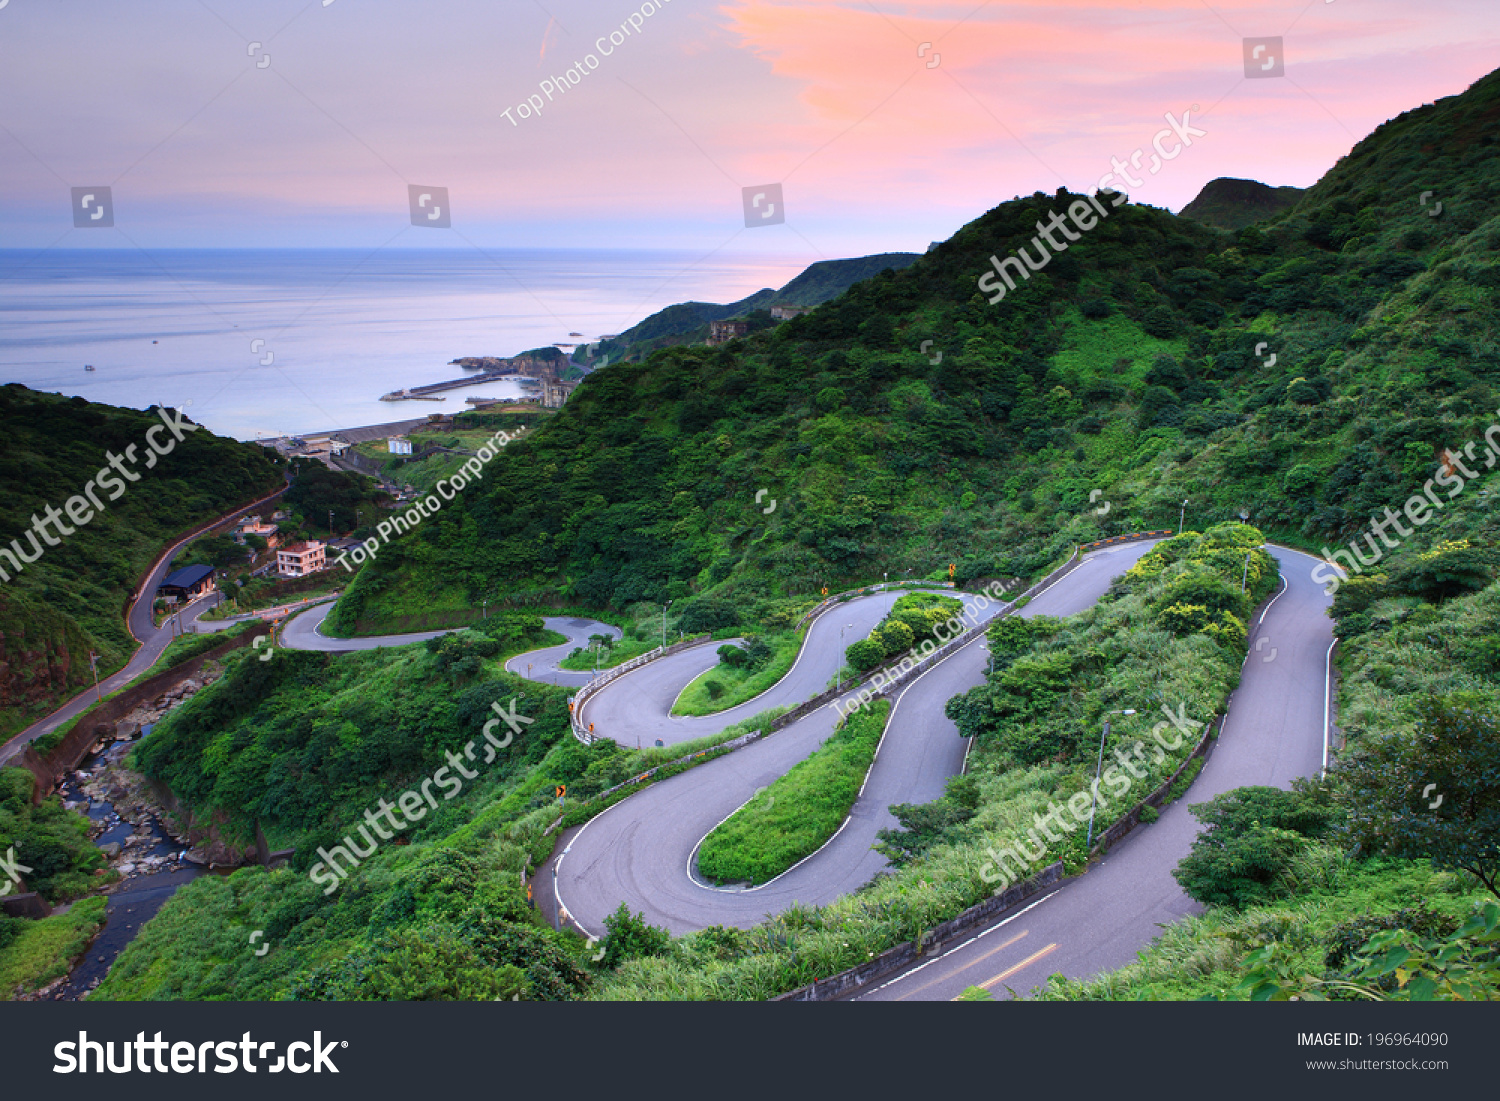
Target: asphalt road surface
[304, 632]
[637, 706]
[542, 664]
[640, 850]
[1273, 733]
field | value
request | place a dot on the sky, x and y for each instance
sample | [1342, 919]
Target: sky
[886, 124]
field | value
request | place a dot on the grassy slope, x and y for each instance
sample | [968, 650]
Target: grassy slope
[72, 599]
[43, 950]
[621, 652]
[740, 684]
[800, 811]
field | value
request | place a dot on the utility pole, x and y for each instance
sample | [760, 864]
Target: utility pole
[664, 608]
[1098, 769]
[1180, 515]
[1246, 575]
[94, 664]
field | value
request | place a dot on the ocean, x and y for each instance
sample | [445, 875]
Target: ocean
[287, 341]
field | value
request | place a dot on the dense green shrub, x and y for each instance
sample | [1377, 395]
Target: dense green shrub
[627, 936]
[1253, 837]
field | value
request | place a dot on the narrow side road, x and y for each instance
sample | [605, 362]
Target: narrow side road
[153, 640]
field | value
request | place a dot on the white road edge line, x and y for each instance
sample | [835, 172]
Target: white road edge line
[557, 864]
[848, 817]
[965, 944]
[1327, 697]
[1274, 599]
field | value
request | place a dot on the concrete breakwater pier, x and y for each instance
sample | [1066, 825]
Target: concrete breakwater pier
[418, 392]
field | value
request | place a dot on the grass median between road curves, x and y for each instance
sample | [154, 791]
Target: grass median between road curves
[729, 685]
[622, 651]
[798, 813]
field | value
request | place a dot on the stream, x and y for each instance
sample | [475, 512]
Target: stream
[153, 868]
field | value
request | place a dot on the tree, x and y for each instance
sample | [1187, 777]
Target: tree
[1432, 793]
[1253, 837]
[627, 936]
[924, 825]
[895, 637]
[864, 654]
[213, 550]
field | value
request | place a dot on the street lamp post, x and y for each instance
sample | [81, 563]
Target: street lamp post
[1180, 515]
[1098, 770]
[1244, 577]
[486, 605]
[839, 676]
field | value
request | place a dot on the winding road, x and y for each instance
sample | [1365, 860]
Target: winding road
[640, 850]
[1274, 731]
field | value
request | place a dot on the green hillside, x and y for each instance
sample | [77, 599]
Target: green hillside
[827, 279]
[1138, 363]
[72, 599]
[1232, 204]
[687, 322]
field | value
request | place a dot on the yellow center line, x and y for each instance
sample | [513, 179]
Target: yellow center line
[1027, 962]
[965, 967]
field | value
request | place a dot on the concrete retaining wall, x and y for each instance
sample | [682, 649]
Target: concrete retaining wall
[909, 952]
[99, 721]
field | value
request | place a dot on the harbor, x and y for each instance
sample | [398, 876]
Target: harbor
[424, 393]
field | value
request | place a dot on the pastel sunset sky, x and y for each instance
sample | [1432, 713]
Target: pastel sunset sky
[888, 123]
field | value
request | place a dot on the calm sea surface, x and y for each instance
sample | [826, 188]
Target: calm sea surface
[341, 327]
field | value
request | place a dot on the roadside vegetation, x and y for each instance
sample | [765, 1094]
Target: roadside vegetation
[605, 652]
[797, 814]
[743, 672]
[912, 620]
[33, 953]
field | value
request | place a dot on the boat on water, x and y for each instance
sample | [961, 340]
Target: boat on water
[88, 366]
